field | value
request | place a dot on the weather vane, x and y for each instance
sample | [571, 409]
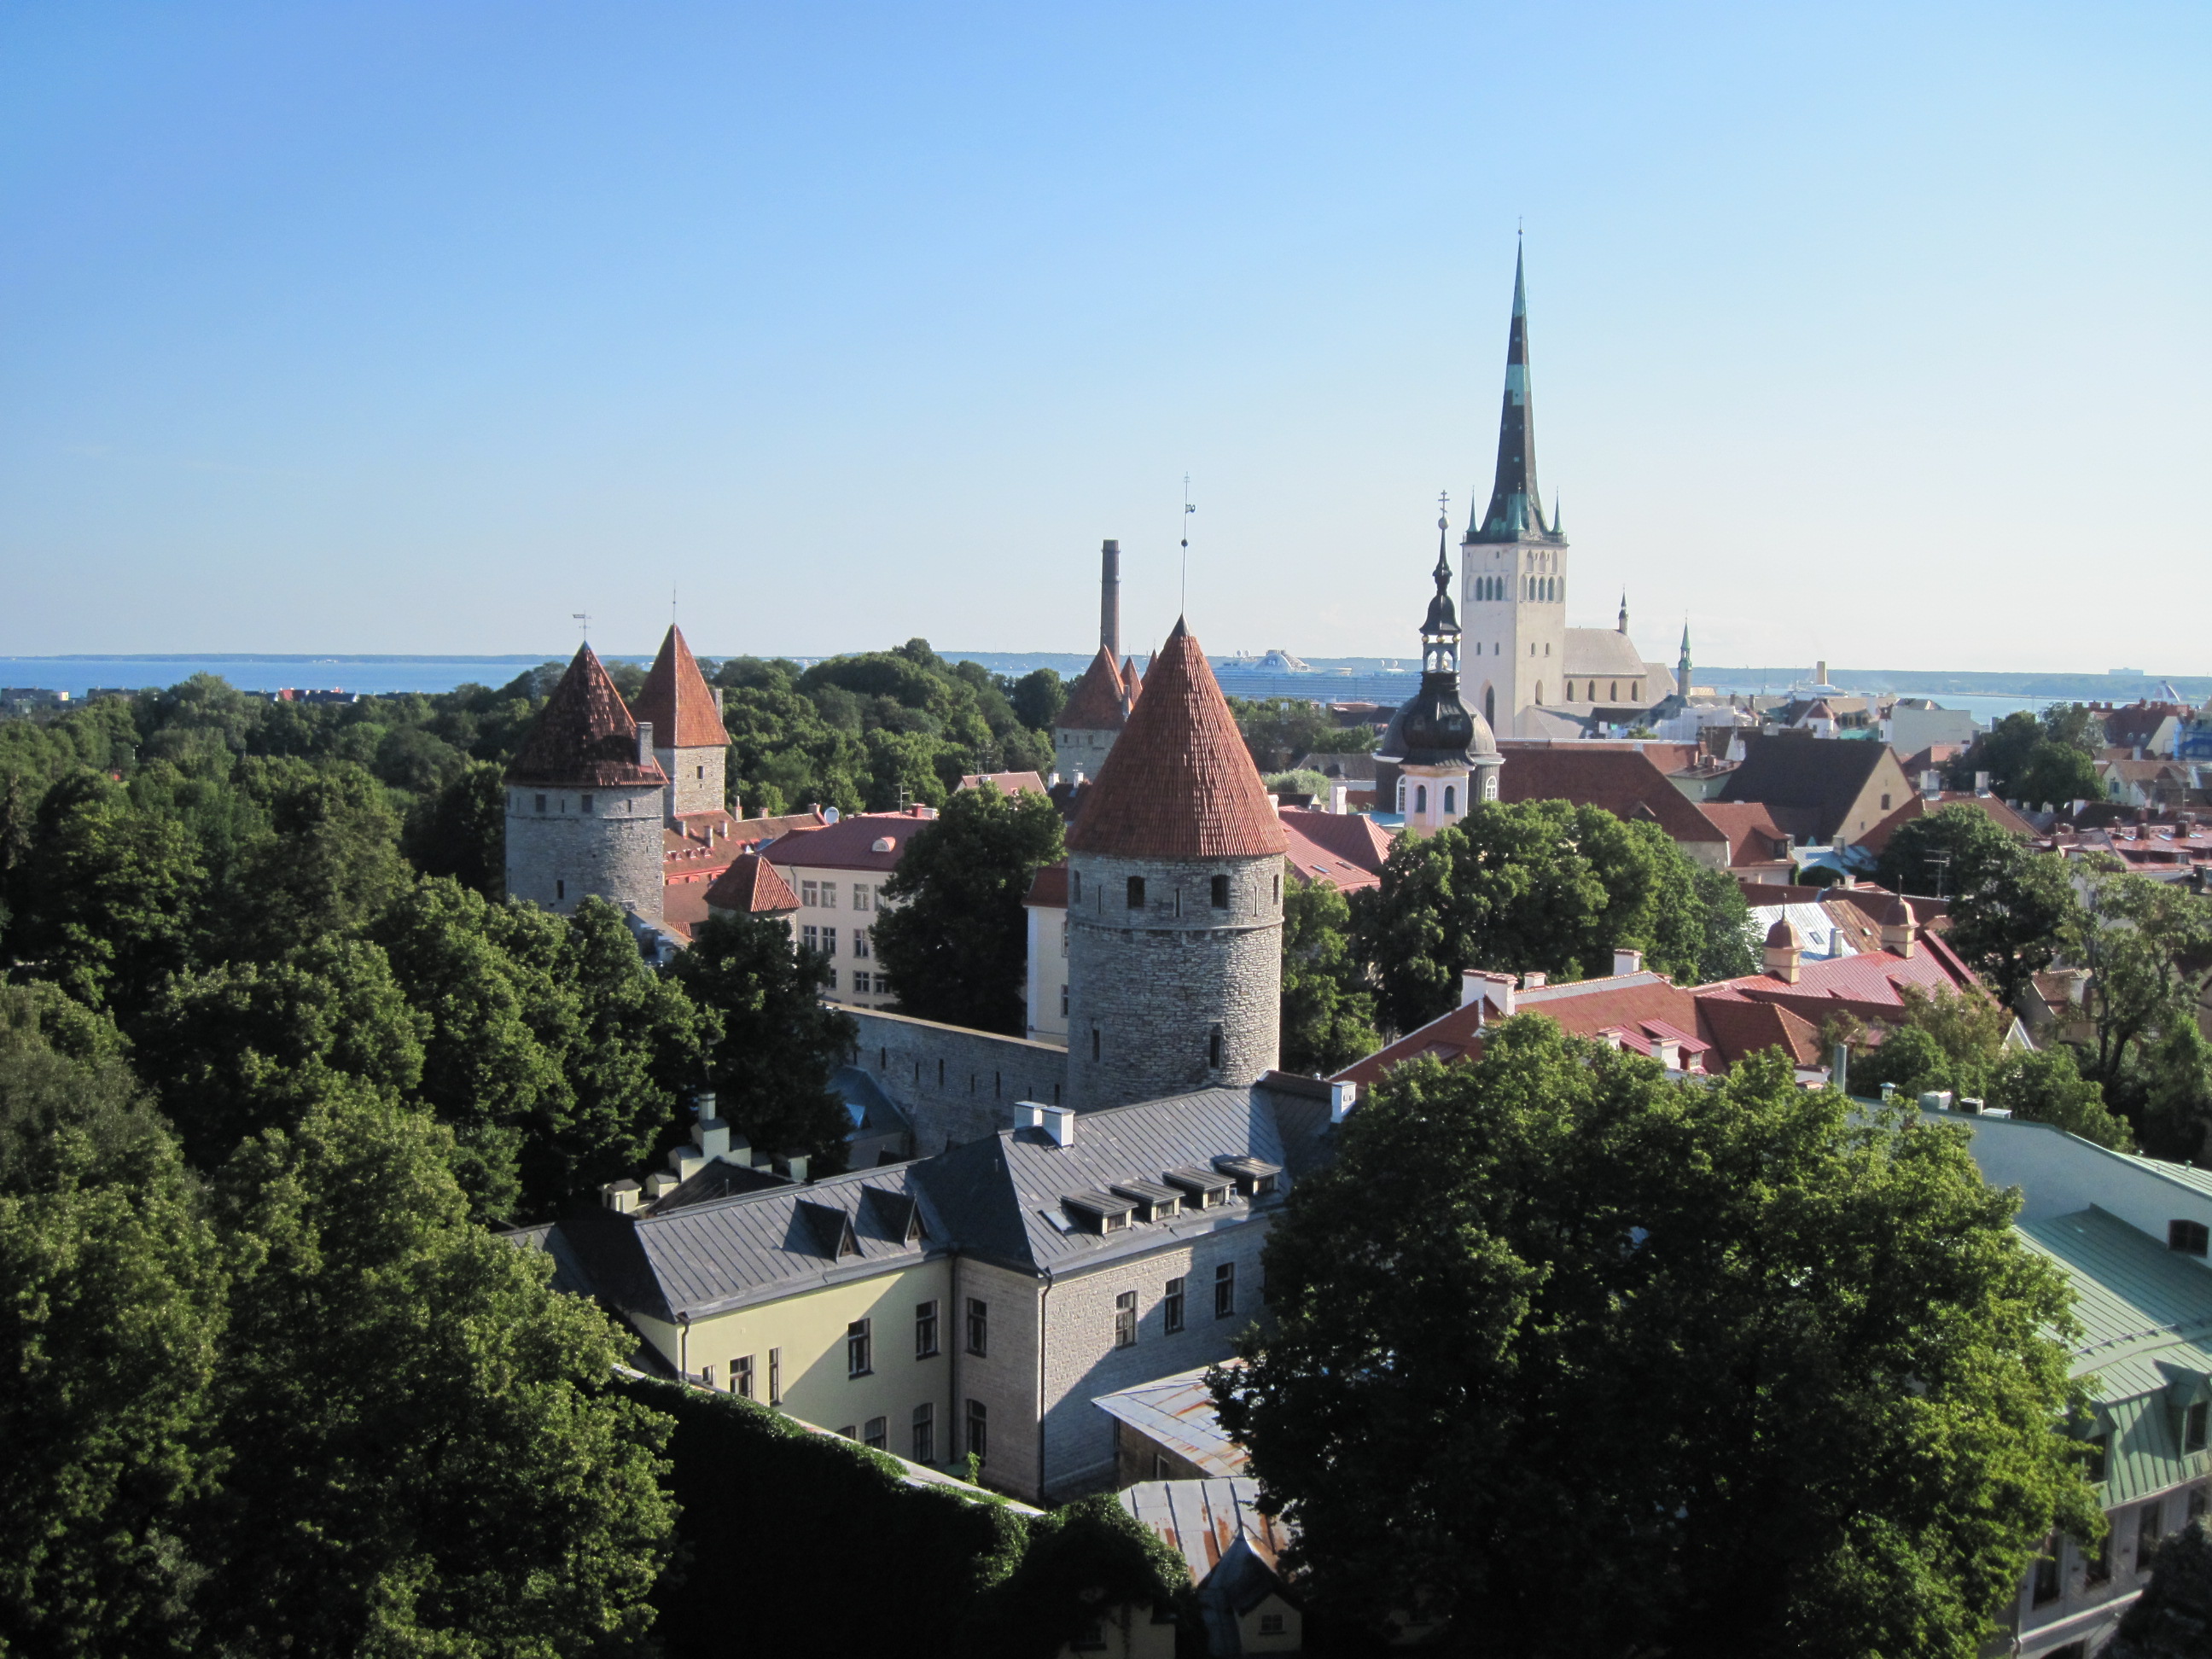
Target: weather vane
[583, 617]
[1187, 509]
[1443, 509]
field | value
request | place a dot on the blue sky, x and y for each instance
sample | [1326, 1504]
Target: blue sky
[1878, 334]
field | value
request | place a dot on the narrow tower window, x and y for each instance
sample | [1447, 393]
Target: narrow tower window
[1421, 790]
[1451, 798]
[1136, 892]
[1213, 1048]
[1221, 892]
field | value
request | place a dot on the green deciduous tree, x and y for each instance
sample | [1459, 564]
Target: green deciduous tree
[2047, 1086]
[2173, 1617]
[2148, 945]
[2009, 908]
[2177, 1120]
[1328, 1007]
[770, 1070]
[1944, 1042]
[954, 936]
[1601, 1364]
[461, 831]
[436, 1464]
[1279, 730]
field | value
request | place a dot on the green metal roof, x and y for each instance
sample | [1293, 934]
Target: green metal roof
[2147, 1338]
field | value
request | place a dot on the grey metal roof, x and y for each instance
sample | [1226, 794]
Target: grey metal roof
[1178, 1412]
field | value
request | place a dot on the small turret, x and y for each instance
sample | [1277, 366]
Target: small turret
[1785, 949]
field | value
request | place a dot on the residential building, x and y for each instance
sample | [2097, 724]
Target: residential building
[1175, 900]
[583, 799]
[1007, 783]
[1233, 1552]
[1622, 780]
[1913, 724]
[1840, 790]
[1445, 756]
[696, 851]
[1346, 850]
[838, 872]
[1758, 847]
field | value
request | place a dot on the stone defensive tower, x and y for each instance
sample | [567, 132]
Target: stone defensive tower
[1097, 708]
[688, 739]
[1174, 904]
[1447, 757]
[583, 800]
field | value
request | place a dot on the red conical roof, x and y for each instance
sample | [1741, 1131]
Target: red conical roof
[1179, 782]
[752, 887]
[1099, 701]
[1132, 681]
[584, 737]
[685, 711]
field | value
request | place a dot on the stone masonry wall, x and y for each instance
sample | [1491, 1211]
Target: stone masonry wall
[1146, 987]
[1083, 752]
[688, 790]
[955, 1084]
[555, 857]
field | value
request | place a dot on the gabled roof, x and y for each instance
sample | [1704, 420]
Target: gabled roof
[1622, 782]
[1824, 776]
[1603, 652]
[751, 886]
[850, 843]
[685, 711]
[1751, 830]
[1048, 887]
[1919, 806]
[1870, 984]
[1179, 782]
[584, 737]
[1100, 701]
[1209, 1522]
[1007, 783]
[1352, 836]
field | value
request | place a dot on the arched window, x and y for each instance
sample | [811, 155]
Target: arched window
[1451, 798]
[1490, 705]
[1421, 797]
[1490, 785]
[1616, 691]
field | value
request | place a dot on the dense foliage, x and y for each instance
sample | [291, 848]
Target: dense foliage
[1328, 1001]
[1602, 1363]
[1278, 731]
[2047, 760]
[954, 940]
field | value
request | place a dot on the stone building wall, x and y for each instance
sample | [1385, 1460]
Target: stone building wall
[564, 844]
[1005, 1379]
[1148, 987]
[1074, 750]
[955, 1084]
[696, 778]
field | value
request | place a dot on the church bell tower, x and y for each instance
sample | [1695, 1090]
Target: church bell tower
[1513, 564]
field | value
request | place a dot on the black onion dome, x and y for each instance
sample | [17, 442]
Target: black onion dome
[1434, 727]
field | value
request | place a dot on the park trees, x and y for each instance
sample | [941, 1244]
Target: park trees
[1611, 1364]
[953, 934]
[1327, 1006]
[2009, 908]
[2050, 759]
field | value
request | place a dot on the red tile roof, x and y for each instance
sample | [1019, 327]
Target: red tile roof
[1352, 836]
[1100, 702]
[1919, 806]
[1870, 985]
[1007, 783]
[1308, 861]
[751, 886]
[1048, 887]
[1132, 680]
[584, 737]
[1179, 782]
[1751, 830]
[1622, 782]
[850, 843]
[685, 711]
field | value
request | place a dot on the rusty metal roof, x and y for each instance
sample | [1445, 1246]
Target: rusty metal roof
[1178, 1413]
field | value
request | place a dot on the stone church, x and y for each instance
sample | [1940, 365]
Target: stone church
[1530, 675]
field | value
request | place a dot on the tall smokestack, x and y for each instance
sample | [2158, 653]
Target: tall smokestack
[1109, 598]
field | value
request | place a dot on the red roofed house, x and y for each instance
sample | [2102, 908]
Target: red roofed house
[1843, 788]
[1007, 783]
[1876, 840]
[1621, 780]
[583, 801]
[1344, 849]
[1870, 985]
[1758, 845]
[1175, 900]
[838, 872]
[750, 886]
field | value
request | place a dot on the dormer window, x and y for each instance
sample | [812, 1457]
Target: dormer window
[2188, 1238]
[1098, 1213]
[1201, 1190]
[1153, 1201]
[1254, 1177]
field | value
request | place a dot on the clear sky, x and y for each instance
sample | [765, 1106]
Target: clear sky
[1874, 333]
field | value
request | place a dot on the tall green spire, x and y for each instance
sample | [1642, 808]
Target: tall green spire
[1516, 509]
[1682, 668]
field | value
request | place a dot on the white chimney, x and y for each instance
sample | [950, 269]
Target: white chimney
[1626, 961]
[1027, 1114]
[1339, 795]
[712, 1137]
[620, 1196]
[1981, 783]
[1535, 981]
[686, 1161]
[1931, 783]
[645, 742]
[1275, 804]
[1059, 1124]
[660, 1184]
[1342, 1097]
[1668, 1052]
[795, 1166]
[1476, 985]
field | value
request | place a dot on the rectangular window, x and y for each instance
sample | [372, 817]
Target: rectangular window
[1089, 1635]
[1125, 1320]
[2046, 1590]
[924, 1332]
[863, 898]
[587, 803]
[1063, 936]
[861, 943]
[560, 889]
[1221, 892]
[775, 1377]
[1063, 1002]
[979, 1432]
[2094, 1467]
[849, 1432]
[979, 1327]
[829, 895]
[810, 893]
[706, 1376]
[875, 1434]
[811, 937]
[1171, 1307]
[925, 1433]
[1270, 1624]
[829, 941]
[856, 1346]
[2193, 1426]
[741, 1377]
[1224, 1290]
[541, 803]
[1136, 892]
[2147, 1533]
[2190, 1237]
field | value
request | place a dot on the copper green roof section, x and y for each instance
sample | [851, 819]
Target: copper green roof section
[2146, 1314]
[1516, 512]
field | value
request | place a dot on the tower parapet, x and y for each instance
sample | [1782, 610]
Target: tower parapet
[1175, 901]
[583, 800]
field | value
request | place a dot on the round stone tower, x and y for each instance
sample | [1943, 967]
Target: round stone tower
[1175, 902]
[583, 800]
[1446, 755]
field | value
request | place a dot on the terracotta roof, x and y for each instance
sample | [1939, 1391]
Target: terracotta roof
[1007, 783]
[850, 843]
[584, 737]
[1870, 984]
[1741, 1028]
[1784, 934]
[752, 887]
[1179, 782]
[1352, 836]
[1132, 678]
[1048, 887]
[1310, 860]
[1100, 700]
[1751, 830]
[1919, 806]
[1622, 782]
[758, 832]
[685, 711]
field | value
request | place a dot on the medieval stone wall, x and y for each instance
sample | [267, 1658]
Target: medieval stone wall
[695, 779]
[564, 844]
[1074, 751]
[1148, 987]
[955, 1084]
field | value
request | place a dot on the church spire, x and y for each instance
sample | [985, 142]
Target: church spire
[1515, 510]
[1440, 629]
[1682, 668]
[1624, 604]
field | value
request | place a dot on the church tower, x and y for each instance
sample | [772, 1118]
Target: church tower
[689, 740]
[1446, 757]
[583, 801]
[1513, 564]
[1175, 901]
